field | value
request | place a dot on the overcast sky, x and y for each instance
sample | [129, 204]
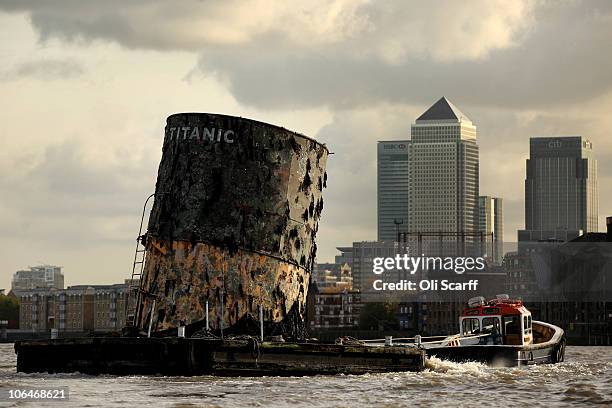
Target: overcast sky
[85, 87]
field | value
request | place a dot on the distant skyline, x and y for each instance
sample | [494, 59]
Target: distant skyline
[85, 88]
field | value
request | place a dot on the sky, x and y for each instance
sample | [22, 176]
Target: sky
[85, 87]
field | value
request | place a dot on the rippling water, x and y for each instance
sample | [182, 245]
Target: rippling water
[584, 378]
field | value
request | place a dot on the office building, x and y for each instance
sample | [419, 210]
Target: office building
[41, 276]
[333, 308]
[491, 224]
[332, 275]
[392, 188]
[567, 284]
[363, 254]
[345, 257]
[444, 176]
[561, 192]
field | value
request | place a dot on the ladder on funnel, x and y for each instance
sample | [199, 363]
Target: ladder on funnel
[135, 283]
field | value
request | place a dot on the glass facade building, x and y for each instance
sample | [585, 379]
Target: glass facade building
[491, 224]
[392, 188]
[561, 198]
[444, 167]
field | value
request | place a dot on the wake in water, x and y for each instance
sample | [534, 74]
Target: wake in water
[437, 365]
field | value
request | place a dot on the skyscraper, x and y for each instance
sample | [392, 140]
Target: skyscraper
[561, 197]
[491, 224]
[443, 173]
[392, 188]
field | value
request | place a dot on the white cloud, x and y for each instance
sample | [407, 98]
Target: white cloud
[448, 31]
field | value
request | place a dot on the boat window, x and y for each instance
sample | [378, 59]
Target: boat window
[512, 329]
[512, 324]
[527, 321]
[490, 325]
[471, 327]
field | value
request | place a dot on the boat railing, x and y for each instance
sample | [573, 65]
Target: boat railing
[426, 339]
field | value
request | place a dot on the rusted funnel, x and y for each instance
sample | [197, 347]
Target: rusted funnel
[233, 224]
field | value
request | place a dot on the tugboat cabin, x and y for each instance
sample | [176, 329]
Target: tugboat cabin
[499, 321]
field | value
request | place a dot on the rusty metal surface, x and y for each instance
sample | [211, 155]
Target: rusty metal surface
[190, 274]
[235, 218]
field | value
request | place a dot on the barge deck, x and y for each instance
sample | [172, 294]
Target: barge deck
[197, 356]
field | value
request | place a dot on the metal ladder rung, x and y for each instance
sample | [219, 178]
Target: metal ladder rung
[131, 304]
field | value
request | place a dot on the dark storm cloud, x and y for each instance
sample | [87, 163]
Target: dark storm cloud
[144, 24]
[561, 61]
[75, 20]
[554, 53]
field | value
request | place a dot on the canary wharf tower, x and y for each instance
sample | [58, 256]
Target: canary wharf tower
[444, 173]
[561, 199]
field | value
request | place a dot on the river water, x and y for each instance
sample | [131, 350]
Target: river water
[584, 378]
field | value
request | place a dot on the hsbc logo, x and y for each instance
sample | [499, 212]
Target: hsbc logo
[400, 146]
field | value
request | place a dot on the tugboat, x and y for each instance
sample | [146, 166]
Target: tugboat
[500, 332]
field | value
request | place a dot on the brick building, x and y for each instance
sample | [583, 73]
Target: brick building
[332, 307]
[82, 308]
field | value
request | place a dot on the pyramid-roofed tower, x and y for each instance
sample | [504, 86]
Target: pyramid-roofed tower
[444, 179]
[443, 109]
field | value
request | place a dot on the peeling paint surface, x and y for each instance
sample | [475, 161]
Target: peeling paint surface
[234, 222]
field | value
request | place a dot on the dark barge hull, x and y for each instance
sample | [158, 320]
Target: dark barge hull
[186, 357]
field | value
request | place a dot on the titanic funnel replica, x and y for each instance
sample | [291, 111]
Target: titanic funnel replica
[232, 227]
